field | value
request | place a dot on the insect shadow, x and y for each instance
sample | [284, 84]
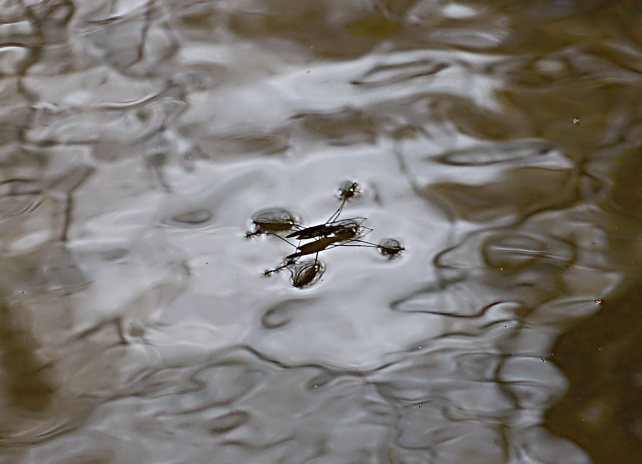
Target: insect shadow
[332, 233]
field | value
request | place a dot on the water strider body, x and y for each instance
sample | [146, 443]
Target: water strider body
[327, 229]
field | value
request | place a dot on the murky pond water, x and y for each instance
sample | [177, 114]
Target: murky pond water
[154, 156]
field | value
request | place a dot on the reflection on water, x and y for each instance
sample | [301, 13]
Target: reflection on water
[602, 354]
[26, 384]
[603, 359]
[497, 142]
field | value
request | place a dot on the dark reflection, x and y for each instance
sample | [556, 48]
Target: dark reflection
[347, 127]
[520, 193]
[200, 77]
[602, 355]
[495, 153]
[282, 314]
[602, 358]
[26, 381]
[228, 422]
[391, 74]
[515, 252]
[19, 196]
[243, 144]
[327, 29]
[126, 42]
[193, 218]
[625, 221]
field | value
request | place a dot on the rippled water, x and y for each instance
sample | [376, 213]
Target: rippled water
[497, 141]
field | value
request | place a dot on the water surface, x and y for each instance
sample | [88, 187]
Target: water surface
[499, 142]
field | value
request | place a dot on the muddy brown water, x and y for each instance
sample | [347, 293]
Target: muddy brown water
[498, 142]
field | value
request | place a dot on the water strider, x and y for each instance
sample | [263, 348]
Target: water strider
[330, 234]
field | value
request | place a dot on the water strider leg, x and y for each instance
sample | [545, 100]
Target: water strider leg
[336, 214]
[287, 263]
[286, 241]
